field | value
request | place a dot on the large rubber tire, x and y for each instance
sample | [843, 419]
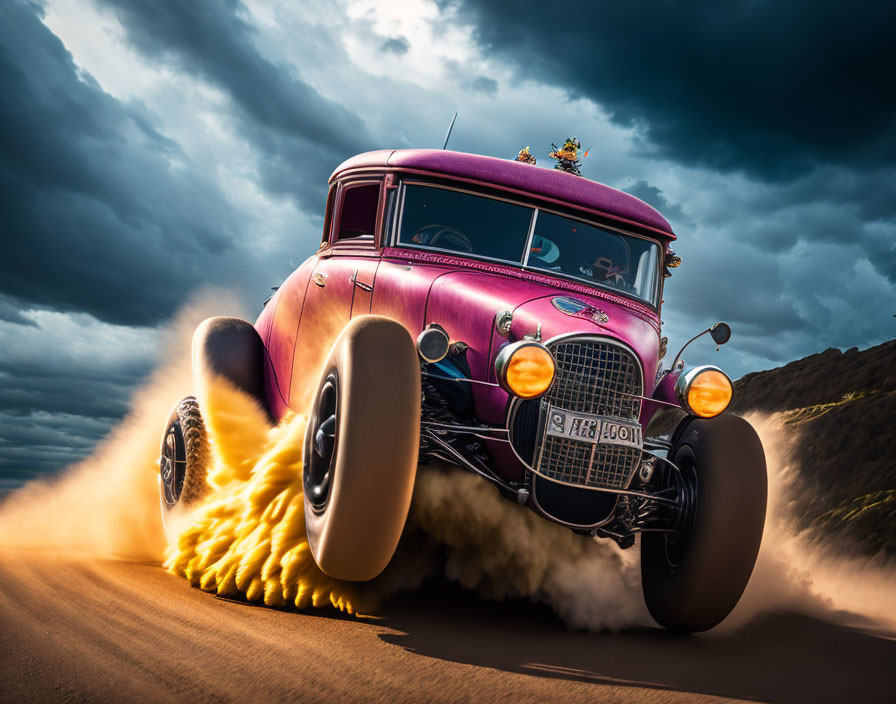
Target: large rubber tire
[357, 497]
[184, 457]
[693, 580]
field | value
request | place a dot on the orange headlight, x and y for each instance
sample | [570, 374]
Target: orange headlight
[525, 369]
[704, 391]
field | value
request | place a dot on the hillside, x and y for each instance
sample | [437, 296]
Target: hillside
[843, 405]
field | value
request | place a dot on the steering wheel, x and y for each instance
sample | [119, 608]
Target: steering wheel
[450, 238]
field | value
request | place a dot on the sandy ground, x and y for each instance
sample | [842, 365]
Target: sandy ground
[79, 630]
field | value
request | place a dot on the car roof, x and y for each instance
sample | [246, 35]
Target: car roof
[550, 184]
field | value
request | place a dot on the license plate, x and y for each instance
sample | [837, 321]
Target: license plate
[597, 429]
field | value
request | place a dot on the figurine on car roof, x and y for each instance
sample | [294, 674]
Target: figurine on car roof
[526, 156]
[567, 156]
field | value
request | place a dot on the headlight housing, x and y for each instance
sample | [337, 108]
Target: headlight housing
[704, 391]
[525, 369]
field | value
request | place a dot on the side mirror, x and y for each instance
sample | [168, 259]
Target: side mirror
[720, 333]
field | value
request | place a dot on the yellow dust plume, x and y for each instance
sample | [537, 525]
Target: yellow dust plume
[248, 538]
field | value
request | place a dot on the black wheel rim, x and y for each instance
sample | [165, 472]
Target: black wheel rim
[173, 464]
[320, 445]
[678, 542]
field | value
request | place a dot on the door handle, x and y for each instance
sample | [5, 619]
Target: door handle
[360, 284]
[320, 278]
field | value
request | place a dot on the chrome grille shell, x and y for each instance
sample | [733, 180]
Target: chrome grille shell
[594, 374]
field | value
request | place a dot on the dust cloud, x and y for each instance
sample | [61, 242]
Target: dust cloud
[501, 550]
[108, 504]
[800, 571]
[247, 538]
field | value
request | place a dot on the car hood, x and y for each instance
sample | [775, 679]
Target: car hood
[597, 315]
[463, 297]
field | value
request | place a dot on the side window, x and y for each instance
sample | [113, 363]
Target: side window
[358, 218]
[328, 216]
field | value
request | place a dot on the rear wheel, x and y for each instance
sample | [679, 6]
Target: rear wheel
[361, 449]
[693, 578]
[184, 457]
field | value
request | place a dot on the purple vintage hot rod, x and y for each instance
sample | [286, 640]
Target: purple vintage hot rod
[506, 319]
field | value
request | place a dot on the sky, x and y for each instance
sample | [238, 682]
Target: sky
[151, 150]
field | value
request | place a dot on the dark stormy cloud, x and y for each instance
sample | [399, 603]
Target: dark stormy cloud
[101, 213]
[773, 87]
[296, 130]
[106, 218]
[148, 149]
[780, 134]
[65, 380]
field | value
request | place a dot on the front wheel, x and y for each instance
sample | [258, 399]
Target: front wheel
[361, 448]
[694, 577]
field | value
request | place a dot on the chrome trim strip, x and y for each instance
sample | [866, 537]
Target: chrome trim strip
[593, 284]
[462, 428]
[529, 236]
[399, 214]
[647, 398]
[633, 304]
[456, 253]
[458, 378]
[464, 462]
[662, 459]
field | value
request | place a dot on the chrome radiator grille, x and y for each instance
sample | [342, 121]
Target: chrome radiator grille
[592, 376]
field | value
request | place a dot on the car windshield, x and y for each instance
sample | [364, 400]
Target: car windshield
[575, 248]
[469, 224]
[439, 218]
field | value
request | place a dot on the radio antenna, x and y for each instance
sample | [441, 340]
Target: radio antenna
[448, 133]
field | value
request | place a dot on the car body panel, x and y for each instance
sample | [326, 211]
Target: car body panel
[329, 305]
[402, 288]
[418, 287]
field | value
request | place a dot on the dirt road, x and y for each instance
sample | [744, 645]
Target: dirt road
[115, 631]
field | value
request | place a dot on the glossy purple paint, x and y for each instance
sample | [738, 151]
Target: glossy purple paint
[549, 184]
[463, 295]
[664, 392]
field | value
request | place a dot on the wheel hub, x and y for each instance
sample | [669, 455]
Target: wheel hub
[678, 542]
[172, 464]
[321, 446]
